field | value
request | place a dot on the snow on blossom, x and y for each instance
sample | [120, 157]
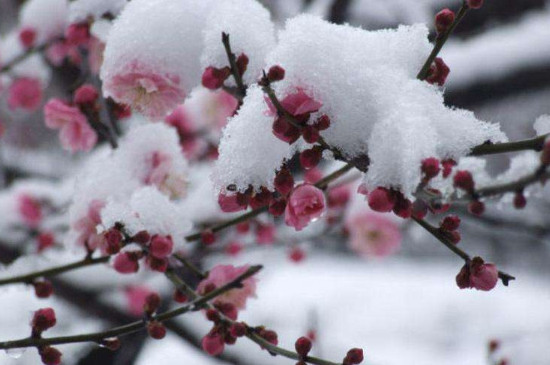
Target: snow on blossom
[136, 182]
[374, 101]
[223, 274]
[155, 71]
[80, 10]
[373, 234]
[251, 32]
[48, 17]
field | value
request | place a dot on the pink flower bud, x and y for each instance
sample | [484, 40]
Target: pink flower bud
[86, 95]
[430, 167]
[443, 20]
[464, 180]
[354, 356]
[43, 320]
[230, 203]
[142, 238]
[476, 207]
[447, 167]
[30, 210]
[27, 37]
[213, 78]
[50, 355]
[296, 254]
[450, 223]
[284, 182]
[381, 200]
[285, 131]
[155, 264]
[233, 248]
[303, 346]
[213, 344]
[113, 240]
[276, 73]
[156, 330]
[125, 263]
[483, 276]
[475, 4]
[310, 134]
[161, 246]
[306, 203]
[310, 158]
[43, 288]
[270, 336]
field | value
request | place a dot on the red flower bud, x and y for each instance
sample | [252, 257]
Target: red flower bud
[450, 223]
[448, 167]
[323, 122]
[303, 346]
[213, 78]
[43, 288]
[381, 200]
[476, 208]
[353, 357]
[126, 263]
[179, 296]
[276, 73]
[208, 237]
[296, 254]
[161, 246]
[277, 207]
[43, 319]
[464, 180]
[430, 167]
[242, 63]
[50, 355]
[27, 37]
[142, 237]
[519, 200]
[438, 73]
[443, 20]
[310, 158]
[213, 344]
[284, 182]
[156, 330]
[475, 4]
[310, 134]
[237, 329]
[152, 303]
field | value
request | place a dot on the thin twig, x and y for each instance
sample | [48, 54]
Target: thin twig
[437, 233]
[233, 65]
[534, 144]
[197, 304]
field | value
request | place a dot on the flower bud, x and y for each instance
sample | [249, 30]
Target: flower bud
[43, 288]
[353, 357]
[161, 246]
[156, 330]
[430, 167]
[303, 346]
[213, 78]
[50, 355]
[381, 200]
[450, 223]
[276, 73]
[284, 182]
[237, 329]
[443, 20]
[476, 207]
[464, 180]
[42, 320]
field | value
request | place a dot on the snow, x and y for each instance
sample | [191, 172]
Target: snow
[48, 17]
[542, 125]
[165, 35]
[373, 99]
[251, 32]
[249, 153]
[80, 10]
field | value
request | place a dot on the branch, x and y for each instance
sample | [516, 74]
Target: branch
[251, 334]
[197, 304]
[29, 278]
[440, 42]
[437, 233]
[233, 64]
[535, 144]
[23, 56]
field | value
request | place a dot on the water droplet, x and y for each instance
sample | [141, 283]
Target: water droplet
[16, 353]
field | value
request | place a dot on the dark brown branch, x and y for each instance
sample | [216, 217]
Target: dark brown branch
[534, 144]
[233, 65]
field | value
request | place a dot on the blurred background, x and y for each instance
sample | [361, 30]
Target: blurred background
[402, 309]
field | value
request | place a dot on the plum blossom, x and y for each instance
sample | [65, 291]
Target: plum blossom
[306, 203]
[135, 299]
[223, 274]
[30, 210]
[477, 274]
[76, 134]
[86, 227]
[372, 234]
[161, 175]
[25, 93]
[152, 94]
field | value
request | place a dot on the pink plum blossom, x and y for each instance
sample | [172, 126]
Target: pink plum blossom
[60, 51]
[161, 174]
[135, 299]
[30, 210]
[372, 234]
[298, 104]
[477, 274]
[306, 203]
[152, 94]
[223, 274]
[86, 227]
[76, 134]
[25, 93]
